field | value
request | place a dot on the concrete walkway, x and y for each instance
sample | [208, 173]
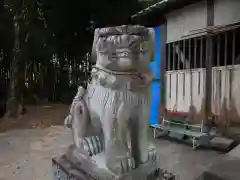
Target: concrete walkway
[183, 161]
[26, 155]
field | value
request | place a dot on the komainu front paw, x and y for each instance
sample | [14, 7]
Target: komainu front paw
[122, 165]
[152, 154]
[92, 145]
[149, 155]
[68, 121]
[89, 146]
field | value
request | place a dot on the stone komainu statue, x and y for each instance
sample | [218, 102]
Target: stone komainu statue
[109, 119]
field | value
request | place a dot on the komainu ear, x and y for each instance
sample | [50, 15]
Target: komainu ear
[94, 51]
[151, 34]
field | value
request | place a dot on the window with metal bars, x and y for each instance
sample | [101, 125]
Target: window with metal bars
[186, 54]
[191, 53]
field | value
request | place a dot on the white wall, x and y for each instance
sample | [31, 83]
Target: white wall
[194, 16]
[180, 22]
[220, 89]
[177, 101]
[226, 11]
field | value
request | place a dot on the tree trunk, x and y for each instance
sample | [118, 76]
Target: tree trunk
[13, 103]
[63, 77]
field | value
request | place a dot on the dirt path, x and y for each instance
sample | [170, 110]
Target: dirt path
[37, 117]
[27, 154]
[28, 144]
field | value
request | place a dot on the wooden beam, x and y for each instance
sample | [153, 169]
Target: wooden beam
[163, 62]
[209, 59]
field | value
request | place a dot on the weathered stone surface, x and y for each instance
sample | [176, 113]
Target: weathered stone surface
[65, 169]
[221, 143]
[235, 152]
[224, 169]
[109, 119]
[34, 149]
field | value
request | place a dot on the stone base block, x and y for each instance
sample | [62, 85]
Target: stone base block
[64, 169]
[225, 169]
[221, 143]
[235, 152]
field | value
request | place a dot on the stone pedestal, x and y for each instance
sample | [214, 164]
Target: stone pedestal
[235, 152]
[64, 169]
[225, 169]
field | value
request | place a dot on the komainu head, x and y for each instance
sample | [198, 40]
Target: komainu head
[123, 48]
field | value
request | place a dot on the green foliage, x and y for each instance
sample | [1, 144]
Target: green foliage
[30, 19]
[58, 27]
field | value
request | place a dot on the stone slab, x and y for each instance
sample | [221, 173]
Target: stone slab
[235, 152]
[64, 169]
[221, 143]
[225, 169]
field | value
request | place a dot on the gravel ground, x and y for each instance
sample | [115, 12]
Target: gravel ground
[26, 154]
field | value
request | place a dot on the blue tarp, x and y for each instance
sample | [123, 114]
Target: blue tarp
[155, 64]
[156, 88]
[155, 103]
